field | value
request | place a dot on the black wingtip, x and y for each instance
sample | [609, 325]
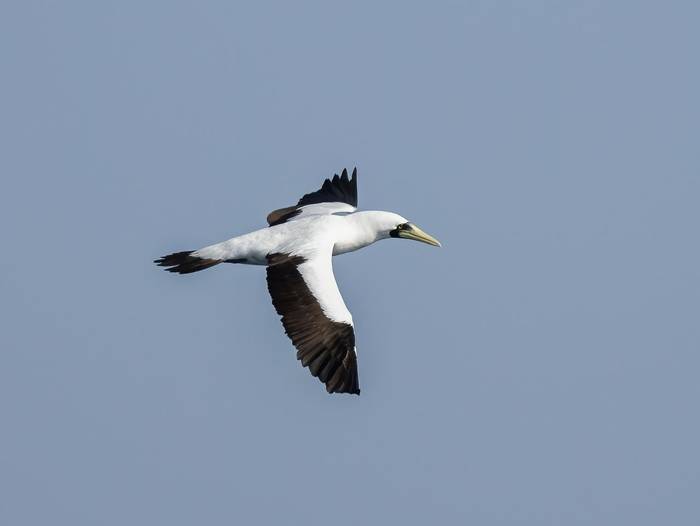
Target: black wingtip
[336, 189]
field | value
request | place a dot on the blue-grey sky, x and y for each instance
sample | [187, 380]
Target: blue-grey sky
[540, 368]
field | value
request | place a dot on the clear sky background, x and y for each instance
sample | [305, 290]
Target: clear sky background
[541, 368]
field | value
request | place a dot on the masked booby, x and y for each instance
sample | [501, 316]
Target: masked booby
[297, 248]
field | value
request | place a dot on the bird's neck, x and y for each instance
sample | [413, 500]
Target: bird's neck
[359, 230]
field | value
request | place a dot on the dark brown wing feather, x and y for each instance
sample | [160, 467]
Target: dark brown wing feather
[339, 189]
[325, 346]
[282, 215]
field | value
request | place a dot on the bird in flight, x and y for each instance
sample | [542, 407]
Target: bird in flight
[297, 248]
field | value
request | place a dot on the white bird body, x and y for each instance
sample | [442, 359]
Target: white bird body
[297, 249]
[305, 236]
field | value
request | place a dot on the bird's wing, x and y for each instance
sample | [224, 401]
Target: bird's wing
[315, 318]
[337, 195]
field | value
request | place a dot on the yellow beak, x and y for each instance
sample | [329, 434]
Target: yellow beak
[411, 231]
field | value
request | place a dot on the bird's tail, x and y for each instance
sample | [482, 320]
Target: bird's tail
[185, 262]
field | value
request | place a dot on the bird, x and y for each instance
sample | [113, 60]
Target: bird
[297, 248]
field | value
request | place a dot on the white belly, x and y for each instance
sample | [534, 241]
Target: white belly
[303, 236]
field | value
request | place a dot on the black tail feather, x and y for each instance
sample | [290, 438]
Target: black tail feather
[185, 262]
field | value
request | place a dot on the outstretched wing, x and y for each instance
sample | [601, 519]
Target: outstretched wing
[336, 195]
[315, 318]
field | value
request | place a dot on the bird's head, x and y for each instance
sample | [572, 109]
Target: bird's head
[389, 224]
